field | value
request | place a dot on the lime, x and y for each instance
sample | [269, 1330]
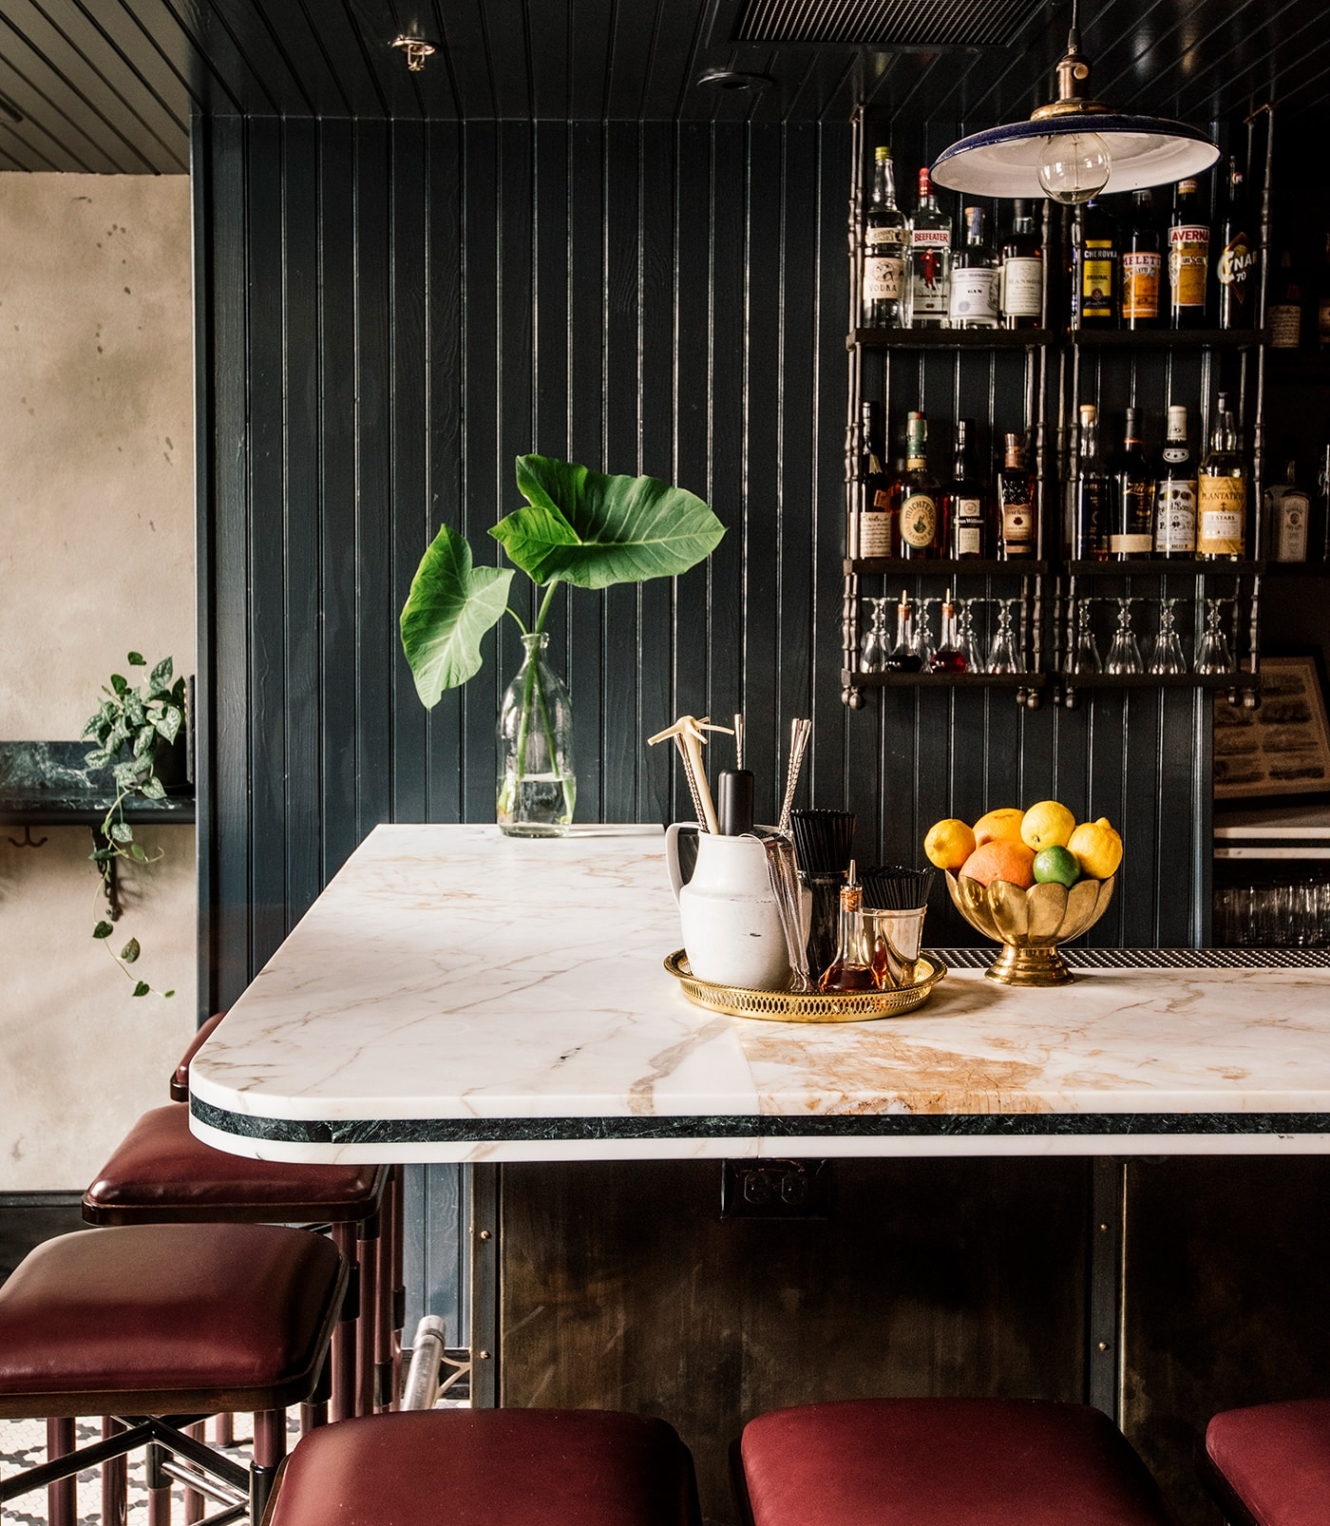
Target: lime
[1056, 866]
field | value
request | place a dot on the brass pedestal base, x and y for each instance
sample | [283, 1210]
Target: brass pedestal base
[1030, 967]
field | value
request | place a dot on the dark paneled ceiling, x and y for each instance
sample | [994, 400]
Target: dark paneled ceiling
[110, 85]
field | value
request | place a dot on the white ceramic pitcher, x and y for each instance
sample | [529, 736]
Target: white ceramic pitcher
[731, 924]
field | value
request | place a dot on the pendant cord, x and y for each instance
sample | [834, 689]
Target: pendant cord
[1074, 32]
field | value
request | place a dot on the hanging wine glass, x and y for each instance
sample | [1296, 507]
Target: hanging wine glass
[922, 643]
[1004, 657]
[1167, 656]
[876, 643]
[966, 640]
[1085, 654]
[1214, 655]
[1124, 656]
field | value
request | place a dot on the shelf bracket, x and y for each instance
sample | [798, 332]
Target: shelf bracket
[27, 840]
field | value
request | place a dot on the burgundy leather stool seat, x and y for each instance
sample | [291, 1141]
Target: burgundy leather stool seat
[161, 1173]
[496, 1467]
[944, 1462]
[1272, 1463]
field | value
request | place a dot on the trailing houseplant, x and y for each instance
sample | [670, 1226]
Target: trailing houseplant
[578, 527]
[134, 731]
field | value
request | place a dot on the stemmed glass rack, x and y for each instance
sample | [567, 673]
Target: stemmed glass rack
[1058, 598]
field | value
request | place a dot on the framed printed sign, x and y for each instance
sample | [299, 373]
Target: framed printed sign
[1283, 748]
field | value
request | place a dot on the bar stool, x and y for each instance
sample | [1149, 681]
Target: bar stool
[1269, 1465]
[496, 1467]
[167, 1320]
[942, 1462]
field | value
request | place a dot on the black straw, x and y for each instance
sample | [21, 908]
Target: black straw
[892, 887]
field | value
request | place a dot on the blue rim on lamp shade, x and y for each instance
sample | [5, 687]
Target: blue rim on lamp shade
[1144, 151]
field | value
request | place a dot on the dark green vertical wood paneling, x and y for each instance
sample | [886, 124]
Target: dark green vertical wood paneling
[390, 313]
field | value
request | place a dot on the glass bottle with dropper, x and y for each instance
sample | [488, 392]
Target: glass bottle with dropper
[903, 658]
[950, 654]
[851, 968]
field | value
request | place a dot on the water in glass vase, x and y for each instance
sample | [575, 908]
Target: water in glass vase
[537, 787]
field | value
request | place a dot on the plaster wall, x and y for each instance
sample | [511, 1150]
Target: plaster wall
[96, 559]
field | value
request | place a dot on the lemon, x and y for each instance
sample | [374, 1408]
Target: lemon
[949, 843]
[1047, 825]
[1097, 847]
[1002, 825]
[1056, 866]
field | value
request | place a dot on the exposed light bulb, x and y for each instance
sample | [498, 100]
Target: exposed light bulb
[1073, 167]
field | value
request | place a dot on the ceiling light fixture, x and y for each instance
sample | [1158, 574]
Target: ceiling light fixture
[1075, 147]
[417, 51]
[732, 79]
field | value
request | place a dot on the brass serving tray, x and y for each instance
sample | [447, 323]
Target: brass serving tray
[794, 1007]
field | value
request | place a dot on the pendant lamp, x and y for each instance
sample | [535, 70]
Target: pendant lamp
[1075, 147]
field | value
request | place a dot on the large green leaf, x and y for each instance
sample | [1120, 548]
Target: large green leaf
[591, 530]
[450, 607]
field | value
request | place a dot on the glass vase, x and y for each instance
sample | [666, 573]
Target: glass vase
[537, 785]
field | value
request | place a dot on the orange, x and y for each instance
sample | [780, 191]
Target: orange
[1001, 860]
[949, 843]
[1003, 824]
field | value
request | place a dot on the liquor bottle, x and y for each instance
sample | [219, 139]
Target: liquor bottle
[877, 521]
[1175, 498]
[886, 296]
[1093, 494]
[1142, 266]
[1283, 317]
[1237, 261]
[1221, 493]
[851, 967]
[1323, 301]
[1021, 274]
[973, 278]
[1287, 517]
[930, 257]
[1188, 260]
[1017, 536]
[964, 510]
[903, 658]
[1095, 287]
[916, 497]
[1132, 535]
[950, 654]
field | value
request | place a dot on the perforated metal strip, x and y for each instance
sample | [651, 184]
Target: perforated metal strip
[1160, 958]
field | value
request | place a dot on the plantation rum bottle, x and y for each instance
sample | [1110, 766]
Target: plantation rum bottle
[1093, 494]
[877, 520]
[1142, 266]
[1175, 497]
[1287, 517]
[916, 496]
[1132, 537]
[930, 257]
[1017, 532]
[1221, 493]
[1188, 260]
[974, 294]
[1236, 264]
[1021, 274]
[886, 294]
[965, 507]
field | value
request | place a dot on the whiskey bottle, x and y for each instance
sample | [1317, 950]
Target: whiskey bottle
[1095, 288]
[877, 522]
[1021, 274]
[1142, 266]
[1236, 265]
[1323, 301]
[1132, 538]
[1221, 493]
[1017, 537]
[1188, 260]
[886, 294]
[950, 655]
[851, 967]
[930, 257]
[1283, 317]
[1175, 499]
[1287, 517]
[964, 510]
[903, 657]
[1093, 494]
[973, 278]
[916, 496]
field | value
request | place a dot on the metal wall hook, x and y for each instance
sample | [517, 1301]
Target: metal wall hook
[28, 840]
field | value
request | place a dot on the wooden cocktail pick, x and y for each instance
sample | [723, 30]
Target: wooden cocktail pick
[690, 737]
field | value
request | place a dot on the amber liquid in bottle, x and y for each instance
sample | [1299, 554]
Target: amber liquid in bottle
[852, 967]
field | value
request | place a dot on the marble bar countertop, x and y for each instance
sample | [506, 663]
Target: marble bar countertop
[455, 995]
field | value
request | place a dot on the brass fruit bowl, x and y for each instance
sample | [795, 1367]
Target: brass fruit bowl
[1031, 923]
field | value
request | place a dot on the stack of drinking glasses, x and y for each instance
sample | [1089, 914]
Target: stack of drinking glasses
[1285, 914]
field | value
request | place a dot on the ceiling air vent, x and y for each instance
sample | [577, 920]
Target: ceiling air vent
[902, 23]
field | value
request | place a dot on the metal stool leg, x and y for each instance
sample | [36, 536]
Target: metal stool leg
[385, 1395]
[367, 1248]
[269, 1449]
[224, 1431]
[399, 1281]
[159, 1485]
[195, 1504]
[344, 1335]
[115, 1480]
[62, 1497]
